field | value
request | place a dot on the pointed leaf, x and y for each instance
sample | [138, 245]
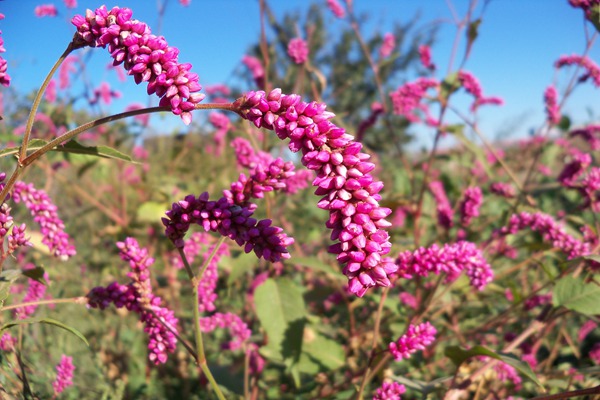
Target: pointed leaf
[37, 274]
[459, 355]
[48, 321]
[574, 294]
[98, 151]
[151, 211]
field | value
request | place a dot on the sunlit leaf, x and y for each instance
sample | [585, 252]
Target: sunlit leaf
[577, 295]
[48, 321]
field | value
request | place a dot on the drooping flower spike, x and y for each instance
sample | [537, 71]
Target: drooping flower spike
[349, 192]
[145, 56]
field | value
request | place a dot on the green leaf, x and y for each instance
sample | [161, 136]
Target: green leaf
[574, 294]
[458, 356]
[473, 31]
[237, 266]
[48, 321]
[7, 278]
[476, 150]
[449, 85]
[37, 274]
[320, 353]
[316, 264]
[281, 311]
[72, 147]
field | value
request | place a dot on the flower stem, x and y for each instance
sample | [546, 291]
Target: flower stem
[38, 100]
[76, 300]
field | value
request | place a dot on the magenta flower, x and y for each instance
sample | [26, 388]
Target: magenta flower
[586, 329]
[145, 56]
[67, 67]
[407, 99]
[550, 230]
[473, 87]
[64, 375]
[585, 5]
[469, 205]
[298, 50]
[105, 93]
[388, 45]
[336, 8]
[142, 118]
[44, 212]
[592, 70]
[350, 193]
[590, 189]
[389, 391]
[503, 189]
[573, 170]
[45, 10]
[7, 342]
[238, 329]
[50, 94]
[4, 77]
[185, 3]
[551, 102]
[450, 259]
[35, 291]
[256, 69]
[137, 296]
[590, 134]
[425, 56]
[417, 337]
[222, 123]
[445, 213]
[70, 3]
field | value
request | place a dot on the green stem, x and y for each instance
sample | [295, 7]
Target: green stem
[77, 300]
[38, 100]
[212, 255]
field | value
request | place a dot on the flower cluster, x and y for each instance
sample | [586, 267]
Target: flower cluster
[574, 169]
[591, 135]
[45, 10]
[551, 102]
[16, 237]
[4, 77]
[350, 193]
[469, 205]
[222, 124]
[298, 50]
[145, 56]
[445, 214]
[64, 374]
[417, 337]
[425, 57]
[592, 70]
[407, 99]
[104, 93]
[44, 212]
[137, 296]
[590, 189]
[388, 45]
[472, 86]
[585, 5]
[67, 67]
[256, 69]
[238, 329]
[336, 8]
[450, 259]
[389, 391]
[35, 291]
[551, 231]
[503, 189]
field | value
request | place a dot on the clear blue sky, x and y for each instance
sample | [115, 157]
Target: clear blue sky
[519, 40]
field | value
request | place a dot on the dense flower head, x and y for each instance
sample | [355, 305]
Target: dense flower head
[388, 45]
[7, 342]
[573, 170]
[256, 69]
[336, 8]
[35, 291]
[586, 329]
[585, 5]
[551, 102]
[503, 189]
[64, 374]
[469, 205]
[4, 77]
[445, 213]
[407, 99]
[349, 192]
[417, 337]
[137, 296]
[16, 235]
[590, 189]
[592, 70]
[45, 10]
[473, 87]
[238, 329]
[389, 391]
[298, 50]
[550, 230]
[451, 259]
[145, 56]
[425, 57]
[589, 133]
[228, 219]
[44, 212]
[208, 283]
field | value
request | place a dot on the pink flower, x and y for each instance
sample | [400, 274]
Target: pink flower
[417, 337]
[349, 192]
[256, 68]
[336, 8]
[407, 98]
[551, 101]
[586, 329]
[298, 50]
[503, 189]
[388, 45]
[45, 10]
[590, 133]
[50, 93]
[238, 329]
[65, 69]
[595, 353]
[185, 3]
[469, 206]
[4, 77]
[64, 375]
[70, 3]
[592, 70]
[585, 5]
[425, 55]
[408, 300]
[105, 93]
[142, 118]
[389, 391]
[35, 291]
[445, 213]
[472, 86]
[145, 56]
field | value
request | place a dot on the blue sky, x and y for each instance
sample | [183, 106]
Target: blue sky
[518, 42]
